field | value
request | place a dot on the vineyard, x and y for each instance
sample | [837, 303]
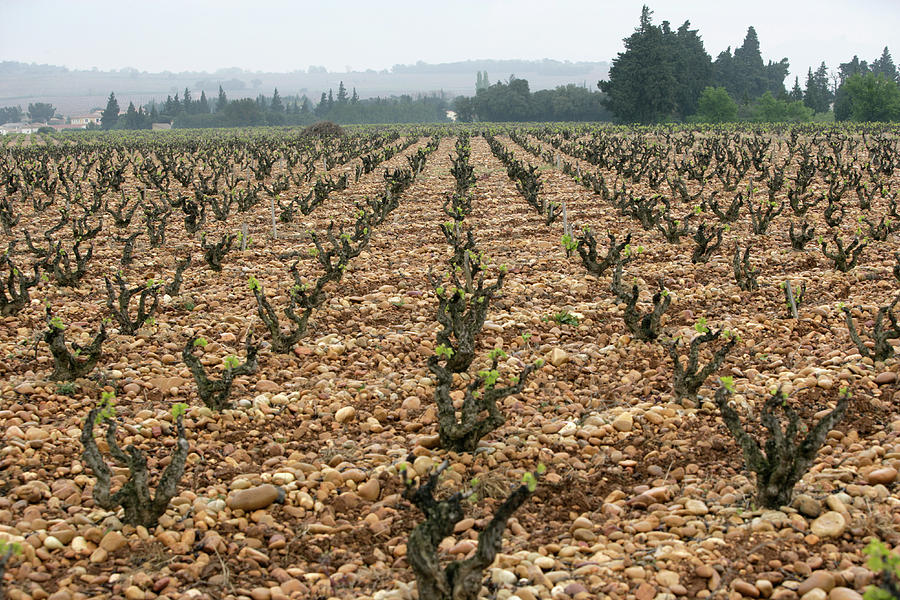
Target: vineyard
[451, 362]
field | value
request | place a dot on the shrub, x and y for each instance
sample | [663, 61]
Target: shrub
[716, 106]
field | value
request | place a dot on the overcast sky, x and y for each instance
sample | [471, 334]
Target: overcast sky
[284, 35]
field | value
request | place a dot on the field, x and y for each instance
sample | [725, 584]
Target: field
[629, 488]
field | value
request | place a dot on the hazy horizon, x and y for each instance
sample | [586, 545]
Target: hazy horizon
[283, 36]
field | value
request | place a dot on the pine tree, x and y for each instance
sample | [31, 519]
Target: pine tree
[818, 94]
[885, 66]
[304, 106]
[853, 67]
[110, 116]
[322, 106]
[276, 104]
[692, 64]
[342, 94]
[796, 93]
[187, 102]
[221, 101]
[330, 99]
[203, 105]
[642, 83]
[355, 97]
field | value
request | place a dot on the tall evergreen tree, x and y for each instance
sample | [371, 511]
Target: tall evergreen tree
[304, 106]
[853, 67]
[203, 104]
[692, 65]
[322, 106]
[750, 79]
[642, 83]
[884, 65]
[188, 102]
[342, 94]
[796, 91]
[818, 93]
[355, 97]
[221, 101]
[330, 99]
[478, 81]
[276, 105]
[744, 74]
[110, 116]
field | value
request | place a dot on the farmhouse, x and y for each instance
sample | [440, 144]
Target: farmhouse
[85, 120]
[20, 128]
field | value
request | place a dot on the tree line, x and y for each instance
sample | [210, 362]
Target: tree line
[275, 110]
[667, 75]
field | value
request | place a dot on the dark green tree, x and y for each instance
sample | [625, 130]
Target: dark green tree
[692, 66]
[744, 74]
[796, 92]
[884, 65]
[244, 113]
[221, 101]
[188, 102]
[464, 108]
[203, 104]
[851, 68]
[504, 101]
[355, 97]
[40, 112]
[304, 106]
[11, 114]
[642, 81]
[342, 97]
[276, 105]
[110, 116]
[818, 93]
[749, 69]
[322, 107]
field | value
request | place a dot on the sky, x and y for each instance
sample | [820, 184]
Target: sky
[284, 35]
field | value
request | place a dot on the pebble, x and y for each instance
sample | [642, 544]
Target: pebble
[817, 580]
[264, 385]
[696, 507]
[369, 490]
[885, 475]
[808, 505]
[112, 541]
[133, 592]
[52, 543]
[254, 498]
[815, 594]
[558, 357]
[345, 414]
[33, 434]
[744, 588]
[623, 423]
[645, 591]
[885, 378]
[831, 524]
[24, 388]
[503, 577]
[667, 578]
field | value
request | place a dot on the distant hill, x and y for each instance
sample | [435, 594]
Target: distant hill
[77, 91]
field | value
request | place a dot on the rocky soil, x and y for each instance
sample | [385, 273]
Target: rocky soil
[644, 498]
